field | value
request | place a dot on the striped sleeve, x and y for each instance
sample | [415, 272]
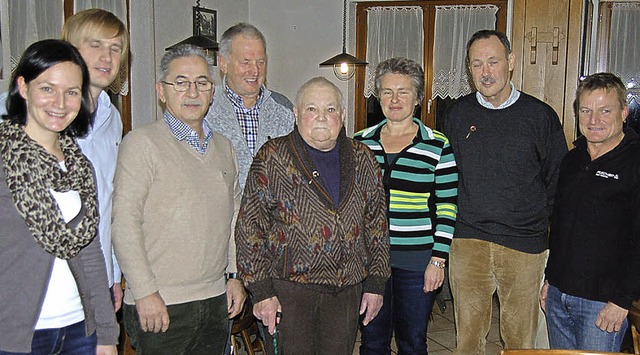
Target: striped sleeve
[446, 196]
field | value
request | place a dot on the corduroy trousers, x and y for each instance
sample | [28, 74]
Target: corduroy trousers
[477, 270]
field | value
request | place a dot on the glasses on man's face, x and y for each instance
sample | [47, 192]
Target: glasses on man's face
[184, 85]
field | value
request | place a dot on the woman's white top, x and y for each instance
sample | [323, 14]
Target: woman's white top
[62, 306]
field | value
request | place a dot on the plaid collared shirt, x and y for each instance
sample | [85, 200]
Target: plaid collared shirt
[247, 117]
[182, 132]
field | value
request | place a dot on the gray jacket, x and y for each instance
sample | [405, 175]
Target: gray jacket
[275, 120]
[25, 269]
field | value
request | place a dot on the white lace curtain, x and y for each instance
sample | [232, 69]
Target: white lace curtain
[394, 31]
[454, 26]
[31, 21]
[624, 51]
[119, 8]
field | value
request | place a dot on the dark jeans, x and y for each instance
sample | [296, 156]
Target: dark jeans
[198, 327]
[406, 309]
[315, 322]
[70, 340]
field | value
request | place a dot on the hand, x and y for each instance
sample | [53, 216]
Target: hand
[543, 296]
[153, 313]
[235, 297]
[265, 310]
[371, 303]
[118, 294]
[433, 277]
[106, 350]
[611, 317]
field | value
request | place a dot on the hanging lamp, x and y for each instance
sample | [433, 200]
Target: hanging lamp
[344, 64]
[208, 43]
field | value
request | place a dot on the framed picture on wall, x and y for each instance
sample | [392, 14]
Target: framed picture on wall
[207, 25]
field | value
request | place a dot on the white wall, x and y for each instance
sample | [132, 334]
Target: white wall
[300, 35]
[157, 24]
[174, 19]
[143, 95]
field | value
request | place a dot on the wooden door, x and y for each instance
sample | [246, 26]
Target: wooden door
[546, 41]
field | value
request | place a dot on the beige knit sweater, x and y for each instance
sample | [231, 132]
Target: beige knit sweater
[173, 213]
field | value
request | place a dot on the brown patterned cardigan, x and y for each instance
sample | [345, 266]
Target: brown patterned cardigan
[289, 229]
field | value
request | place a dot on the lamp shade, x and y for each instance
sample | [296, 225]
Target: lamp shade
[204, 42]
[343, 58]
[344, 65]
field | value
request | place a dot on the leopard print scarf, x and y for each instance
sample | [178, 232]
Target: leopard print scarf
[30, 172]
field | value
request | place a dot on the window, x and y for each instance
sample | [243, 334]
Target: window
[614, 28]
[367, 111]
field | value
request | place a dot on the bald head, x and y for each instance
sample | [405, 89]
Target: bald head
[319, 113]
[318, 81]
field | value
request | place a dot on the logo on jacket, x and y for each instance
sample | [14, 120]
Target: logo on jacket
[606, 175]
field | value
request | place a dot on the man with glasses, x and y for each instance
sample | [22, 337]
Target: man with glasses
[175, 203]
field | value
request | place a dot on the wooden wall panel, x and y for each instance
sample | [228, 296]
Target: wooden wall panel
[574, 38]
[517, 40]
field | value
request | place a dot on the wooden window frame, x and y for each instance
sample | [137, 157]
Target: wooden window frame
[429, 15]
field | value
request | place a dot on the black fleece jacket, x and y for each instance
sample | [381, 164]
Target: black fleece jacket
[595, 228]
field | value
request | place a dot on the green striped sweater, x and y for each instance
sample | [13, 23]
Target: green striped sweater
[422, 189]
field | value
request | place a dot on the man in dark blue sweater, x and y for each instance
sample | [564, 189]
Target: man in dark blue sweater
[508, 146]
[593, 275]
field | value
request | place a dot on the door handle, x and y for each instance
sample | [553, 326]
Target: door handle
[552, 38]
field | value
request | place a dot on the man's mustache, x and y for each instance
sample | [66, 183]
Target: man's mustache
[487, 80]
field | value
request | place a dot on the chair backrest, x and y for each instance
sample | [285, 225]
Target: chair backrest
[634, 314]
[553, 352]
[634, 319]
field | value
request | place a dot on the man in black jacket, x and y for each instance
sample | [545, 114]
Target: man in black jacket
[594, 262]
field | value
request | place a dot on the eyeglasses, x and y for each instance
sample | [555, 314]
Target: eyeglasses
[184, 85]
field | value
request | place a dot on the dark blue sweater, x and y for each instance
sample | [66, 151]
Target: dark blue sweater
[508, 163]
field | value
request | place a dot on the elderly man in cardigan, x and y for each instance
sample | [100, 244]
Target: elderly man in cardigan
[312, 236]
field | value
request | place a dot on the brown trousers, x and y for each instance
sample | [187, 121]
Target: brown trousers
[477, 270]
[315, 322]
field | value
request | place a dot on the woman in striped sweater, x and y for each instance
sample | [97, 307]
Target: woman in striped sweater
[421, 179]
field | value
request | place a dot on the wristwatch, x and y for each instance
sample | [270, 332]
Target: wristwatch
[438, 264]
[231, 275]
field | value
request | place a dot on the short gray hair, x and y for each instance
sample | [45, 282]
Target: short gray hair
[319, 80]
[402, 66]
[486, 34]
[181, 51]
[241, 28]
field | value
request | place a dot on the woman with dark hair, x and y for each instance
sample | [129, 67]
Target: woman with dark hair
[421, 181]
[54, 296]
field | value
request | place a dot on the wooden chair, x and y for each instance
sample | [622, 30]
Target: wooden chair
[553, 352]
[245, 325]
[634, 323]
